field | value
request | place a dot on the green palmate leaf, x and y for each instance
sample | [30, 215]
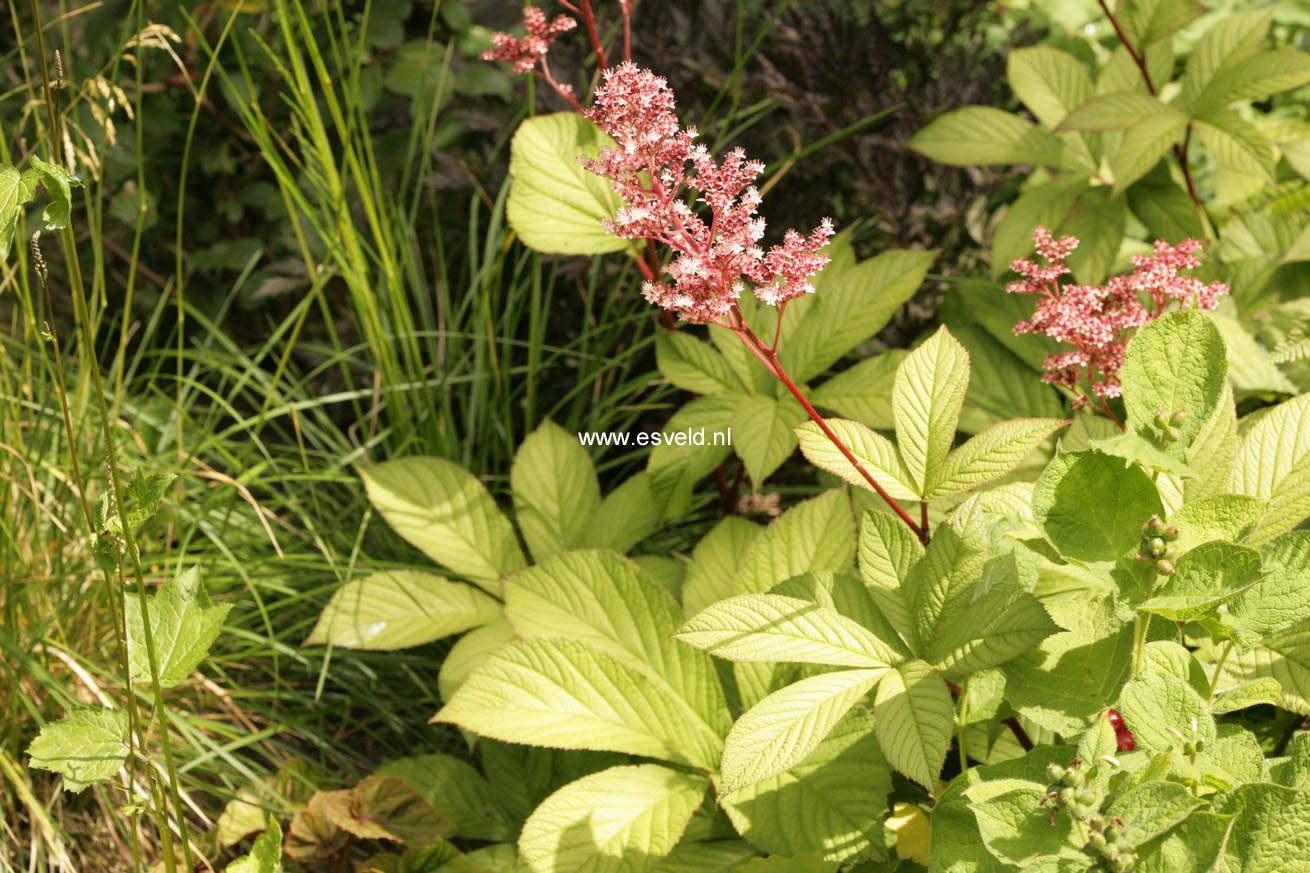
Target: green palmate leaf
[854, 300]
[710, 577]
[1255, 77]
[445, 512]
[1071, 676]
[1269, 834]
[987, 632]
[609, 603]
[693, 365]
[469, 653]
[265, 856]
[762, 433]
[1281, 598]
[1114, 111]
[817, 535]
[862, 392]
[927, 397]
[1012, 825]
[953, 561]
[782, 730]
[850, 598]
[58, 184]
[556, 205]
[458, 792]
[1145, 143]
[1272, 464]
[1208, 575]
[1092, 507]
[87, 746]
[832, 803]
[555, 490]
[1160, 706]
[184, 623]
[1236, 144]
[770, 627]
[979, 135]
[875, 453]
[991, 455]
[888, 552]
[1050, 82]
[623, 818]
[567, 695]
[1122, 73]
[675, 467]
[396, 609]
[913, 717]
[1048, 205]
[1226, 44]
[626, 516]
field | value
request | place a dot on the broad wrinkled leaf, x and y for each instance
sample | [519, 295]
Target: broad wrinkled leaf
[875, 453]
[184, 624]
[396, 609]
[913, 717]
[87, 746]
[555, 490]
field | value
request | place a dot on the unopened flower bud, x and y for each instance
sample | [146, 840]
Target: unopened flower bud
[1154, 526]
[1171, 533]
[1156, 546]
[1178, 418]
[1161, 417]
[1173, 434]
[1054, 772]
[1164, 567]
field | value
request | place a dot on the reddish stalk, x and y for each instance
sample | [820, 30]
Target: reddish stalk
[769, 357]
[589, 18]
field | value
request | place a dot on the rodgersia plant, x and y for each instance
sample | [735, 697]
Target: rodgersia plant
[1046, 670]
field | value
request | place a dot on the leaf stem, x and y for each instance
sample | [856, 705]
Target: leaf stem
[1219, 668]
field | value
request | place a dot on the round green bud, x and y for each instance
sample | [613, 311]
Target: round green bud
[1161, 417]
[1156, 546]
[1171, 533]
[1054, 772]
[1173, 433]
[1154, 526]
[1164, 567]
[1088, 797]
[1178, 418]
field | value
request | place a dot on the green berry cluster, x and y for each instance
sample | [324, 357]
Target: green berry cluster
[1075, 791]
[1156, 547]
[1170, 422]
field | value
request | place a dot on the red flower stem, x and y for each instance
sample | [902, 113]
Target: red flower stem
[769, 358]
[1180, 151]
[589, 17]
[627, 30]
[545, 76]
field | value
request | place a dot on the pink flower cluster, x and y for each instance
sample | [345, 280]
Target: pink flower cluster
[1096, 319]
[649, 170]
[525, 52]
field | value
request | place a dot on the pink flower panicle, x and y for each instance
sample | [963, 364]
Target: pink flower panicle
[649, 169]
[1096, 319]
[525, 52]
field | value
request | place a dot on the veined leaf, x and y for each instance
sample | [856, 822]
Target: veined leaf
[913, 717]
[980, 135]
[624, 818]
[863, 392]
[1145, 143]
[1206, 576]
[1114, 111]
[14, 195]
[927, 398]
[991, 454]
[675, 468]
[87, 746]
[555, 490]
[888, 552]
[445, 512]
[953, 560]
[58, 184]
[782, 730]
[1281, 598]
[469, 652]
[1254, 77]
[556, 205]
[1050, 82]
[1229, 41]
[763, 433]
[987, 632]
[814, 536]
[625, 517]
[769, 627]
[852, 599]
[1153, 703]
[1092, 506]
[265, 855]
[1236, 144]
[1267, 832]
[693, 365]
[457, 791]
[606, 601]
[876, 454]
[711, 575]
[566, 695]
[1273, 464]
[396, 609]
[184, 623]
[1020, 840]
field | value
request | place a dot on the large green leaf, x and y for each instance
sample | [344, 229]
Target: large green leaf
[58, 184]
[1272, 464]
[1013, 828]
[446, 513]
[762, 433]
[555, 490]
[693, 365]
[1230, 40]
[567, 695]
[831, 803]
[782, 730]
[853, 301]
[455, 789]
[862, 392]
[14, 195]
[770, 627]
[977, 135]
[1145, 143]
[1256, 77]
[927, 397]
[626, 516]
[814, 536]
[1050, 82]
[1268, 834]
[711, 575]
[875, 453]
[1092, 506]
[86, 746]
[469, 653]
[396, 609]
[676, 466]
[265, 856]
[184, 623]
[987, 632]
[1159, 707]
[952, 562]
[1236, 144]
[913, 717]
[608, 602]
[1113, 111]
[620, 819]
[1281, 598]
[888, 552]
[991, 455]
[555, 205]
[1206, 576]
